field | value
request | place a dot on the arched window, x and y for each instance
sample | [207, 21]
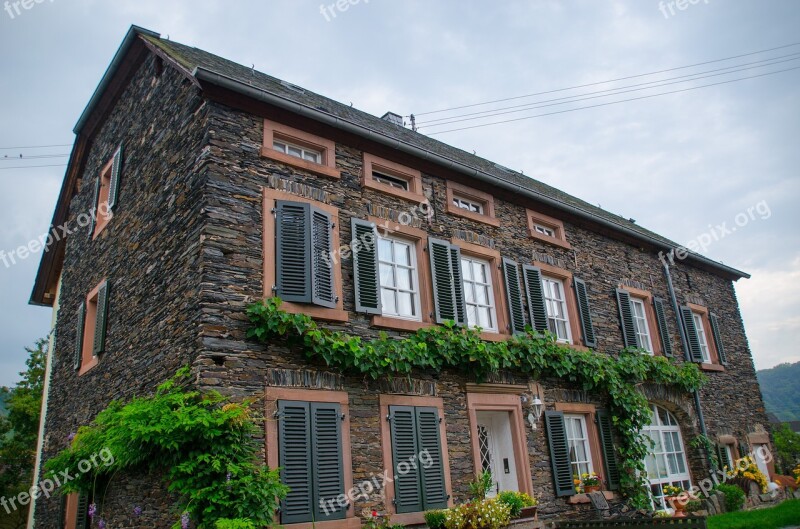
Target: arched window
[666, 464]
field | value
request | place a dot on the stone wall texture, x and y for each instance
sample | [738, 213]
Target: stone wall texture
[185, 257]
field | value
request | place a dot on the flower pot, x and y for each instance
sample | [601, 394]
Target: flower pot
[678, 505]
[592, 488]
[528, 512]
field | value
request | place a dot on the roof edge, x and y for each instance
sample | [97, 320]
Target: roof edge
[211, 77]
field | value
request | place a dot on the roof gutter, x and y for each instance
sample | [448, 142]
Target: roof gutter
[214, 78]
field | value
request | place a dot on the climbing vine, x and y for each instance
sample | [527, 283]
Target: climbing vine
[535, 354]
[202, 444]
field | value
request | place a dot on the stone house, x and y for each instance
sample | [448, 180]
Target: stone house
[216, 185]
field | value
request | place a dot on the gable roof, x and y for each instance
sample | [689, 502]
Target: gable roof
[206, 69]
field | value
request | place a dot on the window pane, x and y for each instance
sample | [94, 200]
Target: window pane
[404, 278]
[387, 275]
[385, 250]
[480, 273]
[278, 146]
[466, 268]
[485, 318]
[482, 297]
[405, 304]
[402, 254]
[388, 300]
[295, 151]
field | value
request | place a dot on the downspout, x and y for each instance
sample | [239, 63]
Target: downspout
[687, 355]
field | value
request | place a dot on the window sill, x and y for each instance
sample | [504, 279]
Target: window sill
[711, 367]
[411, 196]
[85, 368]
[352, 522]
[399, 324]
[550, 240]
[584, 498]
[477, 217]
[318, 313]
[494, 336]
[319, 169]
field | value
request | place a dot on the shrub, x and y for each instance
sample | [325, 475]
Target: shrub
[481, 486]
[435, 519]
[694, 506]
[734, 497]
[238, 523]
[483, 514]
[516, 501]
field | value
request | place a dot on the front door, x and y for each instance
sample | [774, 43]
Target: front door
[496, 450]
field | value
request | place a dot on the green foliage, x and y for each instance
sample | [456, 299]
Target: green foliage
[19, 430]
[694, 506]
[516, 501]
[435, 519]
[202, 443]
[537, 355]
[787, 445]
[781, 389]
[482, 485]
[784, 515]
[239, 523]
[483, 514]
[734, 496]
[703, 442]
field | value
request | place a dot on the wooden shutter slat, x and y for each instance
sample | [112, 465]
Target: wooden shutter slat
[516, 312]
[293, 251]
[629, 336]
[724, 460]
[328, 468]
[585, 312]
[294, 447]
[663, 330]
[80, 327]
[532, 277]
[691, 334]
[322, 280]
[405, 450]
[606, 433]
[116, 172]
[434, 492]
[82, 515]
[445, 304]
[559, 453]
[458, 285]
[723, 358]
[365, 266]
[101, 322]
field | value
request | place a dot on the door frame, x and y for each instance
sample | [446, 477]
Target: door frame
[519, 440]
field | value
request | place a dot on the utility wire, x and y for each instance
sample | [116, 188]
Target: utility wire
[604, 82]
[35, 147]
[7, 158]
[582, 98]
[698, 75]
[34, 166]
[614, 102]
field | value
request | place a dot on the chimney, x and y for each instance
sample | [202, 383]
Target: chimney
[391, 117]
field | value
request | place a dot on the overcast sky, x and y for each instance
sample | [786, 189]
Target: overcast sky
[678, 164]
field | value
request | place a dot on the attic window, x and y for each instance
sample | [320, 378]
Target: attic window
[544, 230]
[299, 149]
[397, 183]
[304, 153]
[470, 203]
[392, 179]
[547, 229]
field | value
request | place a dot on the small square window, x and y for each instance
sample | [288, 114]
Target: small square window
[304, 153]
[391, 181]
[547, 229]
[468, 204]
[544, 230]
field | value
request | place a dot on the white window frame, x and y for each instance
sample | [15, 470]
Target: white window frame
[667, 432]
[468, 204]
[544, 230]
[701, 336]
[552, 301]
[729, 451]
[572, 441]
[639, 311]
[471, 286]
[283, 146]
[414, 290]
[390, 180]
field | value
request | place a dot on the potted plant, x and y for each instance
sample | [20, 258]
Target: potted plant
[676, 497]
[522, 505]
[590, 482]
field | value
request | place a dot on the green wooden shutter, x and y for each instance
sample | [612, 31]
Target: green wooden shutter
[585, 312]
[444, 298]
[724, 460]
[82, 517]
[294, 448]
[116, 172]
[532, 276]
[323, 288]
[604, 429]
[626, 319]
[101, 322]
[458, 285]
[434, 492]
[691, 334]
[559, 453]
[293, 251]
[93, 213]
[513, 296]
[62, 509]
[80, 326]
[723, 358]
[328, 468]
[365, 266]
[405, 450]
[663, 330]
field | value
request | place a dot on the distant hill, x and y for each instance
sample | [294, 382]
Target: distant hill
[781, 389]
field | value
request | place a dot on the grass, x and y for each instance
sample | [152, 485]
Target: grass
[785, 514]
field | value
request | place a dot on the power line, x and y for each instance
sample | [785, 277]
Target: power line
[7, 158]
[581, 97]
[34, 166]
[417, 114]
[695, 76]
[613, 102]
[35, 147]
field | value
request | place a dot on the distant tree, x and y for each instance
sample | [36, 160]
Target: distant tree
[18, 433]
[787, 444]
[780, 387]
